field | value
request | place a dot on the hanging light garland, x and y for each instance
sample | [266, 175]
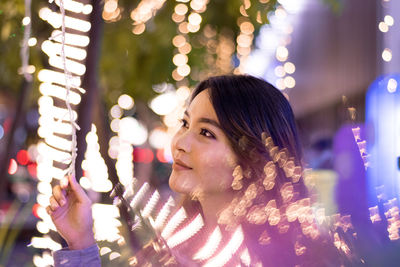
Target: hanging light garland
[286, 68]
[95, 170]
[273, 42]
[186, 23]
[57, 124]
[245, 38]
[220, 49]
[27, 69]
[143, 13]
[171, 103]
[111, 11]
[384, 27]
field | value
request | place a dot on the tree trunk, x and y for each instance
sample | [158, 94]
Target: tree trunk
[89, 83]
[86, 108]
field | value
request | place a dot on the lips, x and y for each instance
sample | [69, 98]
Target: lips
[180, 165]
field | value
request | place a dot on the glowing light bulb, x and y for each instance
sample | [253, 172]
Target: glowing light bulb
[194, 19]
[180, 59]
[26, 21]
[179, 40]
[289, 82]
[383, 27]
[181, 9]
[125, 102]
[279, 71]
[389, 20]
[183, 70]
[392, 85]
[32, 41]
[289, 67]
[387, 55]
[282, 53]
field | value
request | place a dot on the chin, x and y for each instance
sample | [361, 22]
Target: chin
[180, 184]
[174, 183]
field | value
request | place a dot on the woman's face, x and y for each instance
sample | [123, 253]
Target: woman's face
[203, 158]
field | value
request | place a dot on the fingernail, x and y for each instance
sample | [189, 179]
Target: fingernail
[64, 182]
[62, 202]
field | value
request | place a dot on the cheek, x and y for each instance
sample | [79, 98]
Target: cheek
[217, 171]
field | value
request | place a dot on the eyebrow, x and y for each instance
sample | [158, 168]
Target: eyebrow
[206, 120]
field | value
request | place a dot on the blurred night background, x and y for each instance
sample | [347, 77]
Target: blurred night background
[133, 64]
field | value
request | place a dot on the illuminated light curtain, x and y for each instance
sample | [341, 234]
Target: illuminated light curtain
[383, 137]
[54, 150]
[383, 146]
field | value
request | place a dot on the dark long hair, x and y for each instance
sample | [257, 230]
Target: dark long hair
[247, 107]
[250, 109]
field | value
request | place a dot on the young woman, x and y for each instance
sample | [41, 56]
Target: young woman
[237, 161]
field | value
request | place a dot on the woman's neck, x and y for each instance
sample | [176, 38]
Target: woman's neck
[212, 205]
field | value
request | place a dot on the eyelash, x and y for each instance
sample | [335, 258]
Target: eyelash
[184, 123]
[207, 133]
[203, 131]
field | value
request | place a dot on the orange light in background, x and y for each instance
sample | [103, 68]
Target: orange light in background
[160, 156]
[13, 167]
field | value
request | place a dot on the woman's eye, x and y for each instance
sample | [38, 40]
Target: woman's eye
[184, 123]
[207, 133]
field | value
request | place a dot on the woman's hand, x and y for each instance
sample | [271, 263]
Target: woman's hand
[71, 211]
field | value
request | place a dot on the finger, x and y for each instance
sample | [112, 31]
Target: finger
[53, 204]
[64, 182]
[49, 211]
[77, 189]
[59, 195]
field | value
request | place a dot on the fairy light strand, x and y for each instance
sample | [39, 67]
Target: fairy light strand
[67, 76]
[25, 46]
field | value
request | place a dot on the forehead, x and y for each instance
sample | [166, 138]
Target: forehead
[201, 106]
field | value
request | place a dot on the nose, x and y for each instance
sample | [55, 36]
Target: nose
[182, 142]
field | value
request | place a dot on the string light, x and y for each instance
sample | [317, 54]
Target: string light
[387, 55]
[244, 40]
[151, 203]
[187, 232]
[170, 103]
[143, 13]
[228, 251]
[384, 27]
[273, 41]
[210, 246]
[362, 145]
[174, 222]
[95, 169]
[55, 151]
[105, 222]
[26, 42]
[111, 11]
[392, 85]
[164, 213]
